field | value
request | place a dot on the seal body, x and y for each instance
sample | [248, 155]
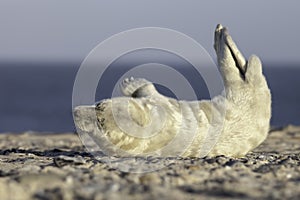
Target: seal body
[144, 122]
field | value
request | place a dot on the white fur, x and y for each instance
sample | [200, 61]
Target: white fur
[146, 122]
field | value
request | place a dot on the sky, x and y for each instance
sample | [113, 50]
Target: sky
[55, 30]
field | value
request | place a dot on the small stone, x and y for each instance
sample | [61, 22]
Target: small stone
[62, 160]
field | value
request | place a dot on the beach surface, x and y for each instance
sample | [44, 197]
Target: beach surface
[57, 166]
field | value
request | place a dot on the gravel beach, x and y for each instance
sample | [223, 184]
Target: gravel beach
[56, 166]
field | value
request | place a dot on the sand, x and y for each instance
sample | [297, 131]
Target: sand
[57, 166]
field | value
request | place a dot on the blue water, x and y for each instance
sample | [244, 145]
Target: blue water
[38, 96]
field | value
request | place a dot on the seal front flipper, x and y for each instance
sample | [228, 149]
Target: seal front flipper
[137, 87]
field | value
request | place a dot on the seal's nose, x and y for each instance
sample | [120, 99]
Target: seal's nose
[76, 112]
[85, 117]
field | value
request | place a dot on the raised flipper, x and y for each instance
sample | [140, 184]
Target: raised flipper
[234, 67]
[231, 61]
[137, 87]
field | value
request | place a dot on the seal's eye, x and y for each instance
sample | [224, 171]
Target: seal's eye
[99, 106]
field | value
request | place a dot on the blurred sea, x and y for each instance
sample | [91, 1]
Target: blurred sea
[38, 96]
